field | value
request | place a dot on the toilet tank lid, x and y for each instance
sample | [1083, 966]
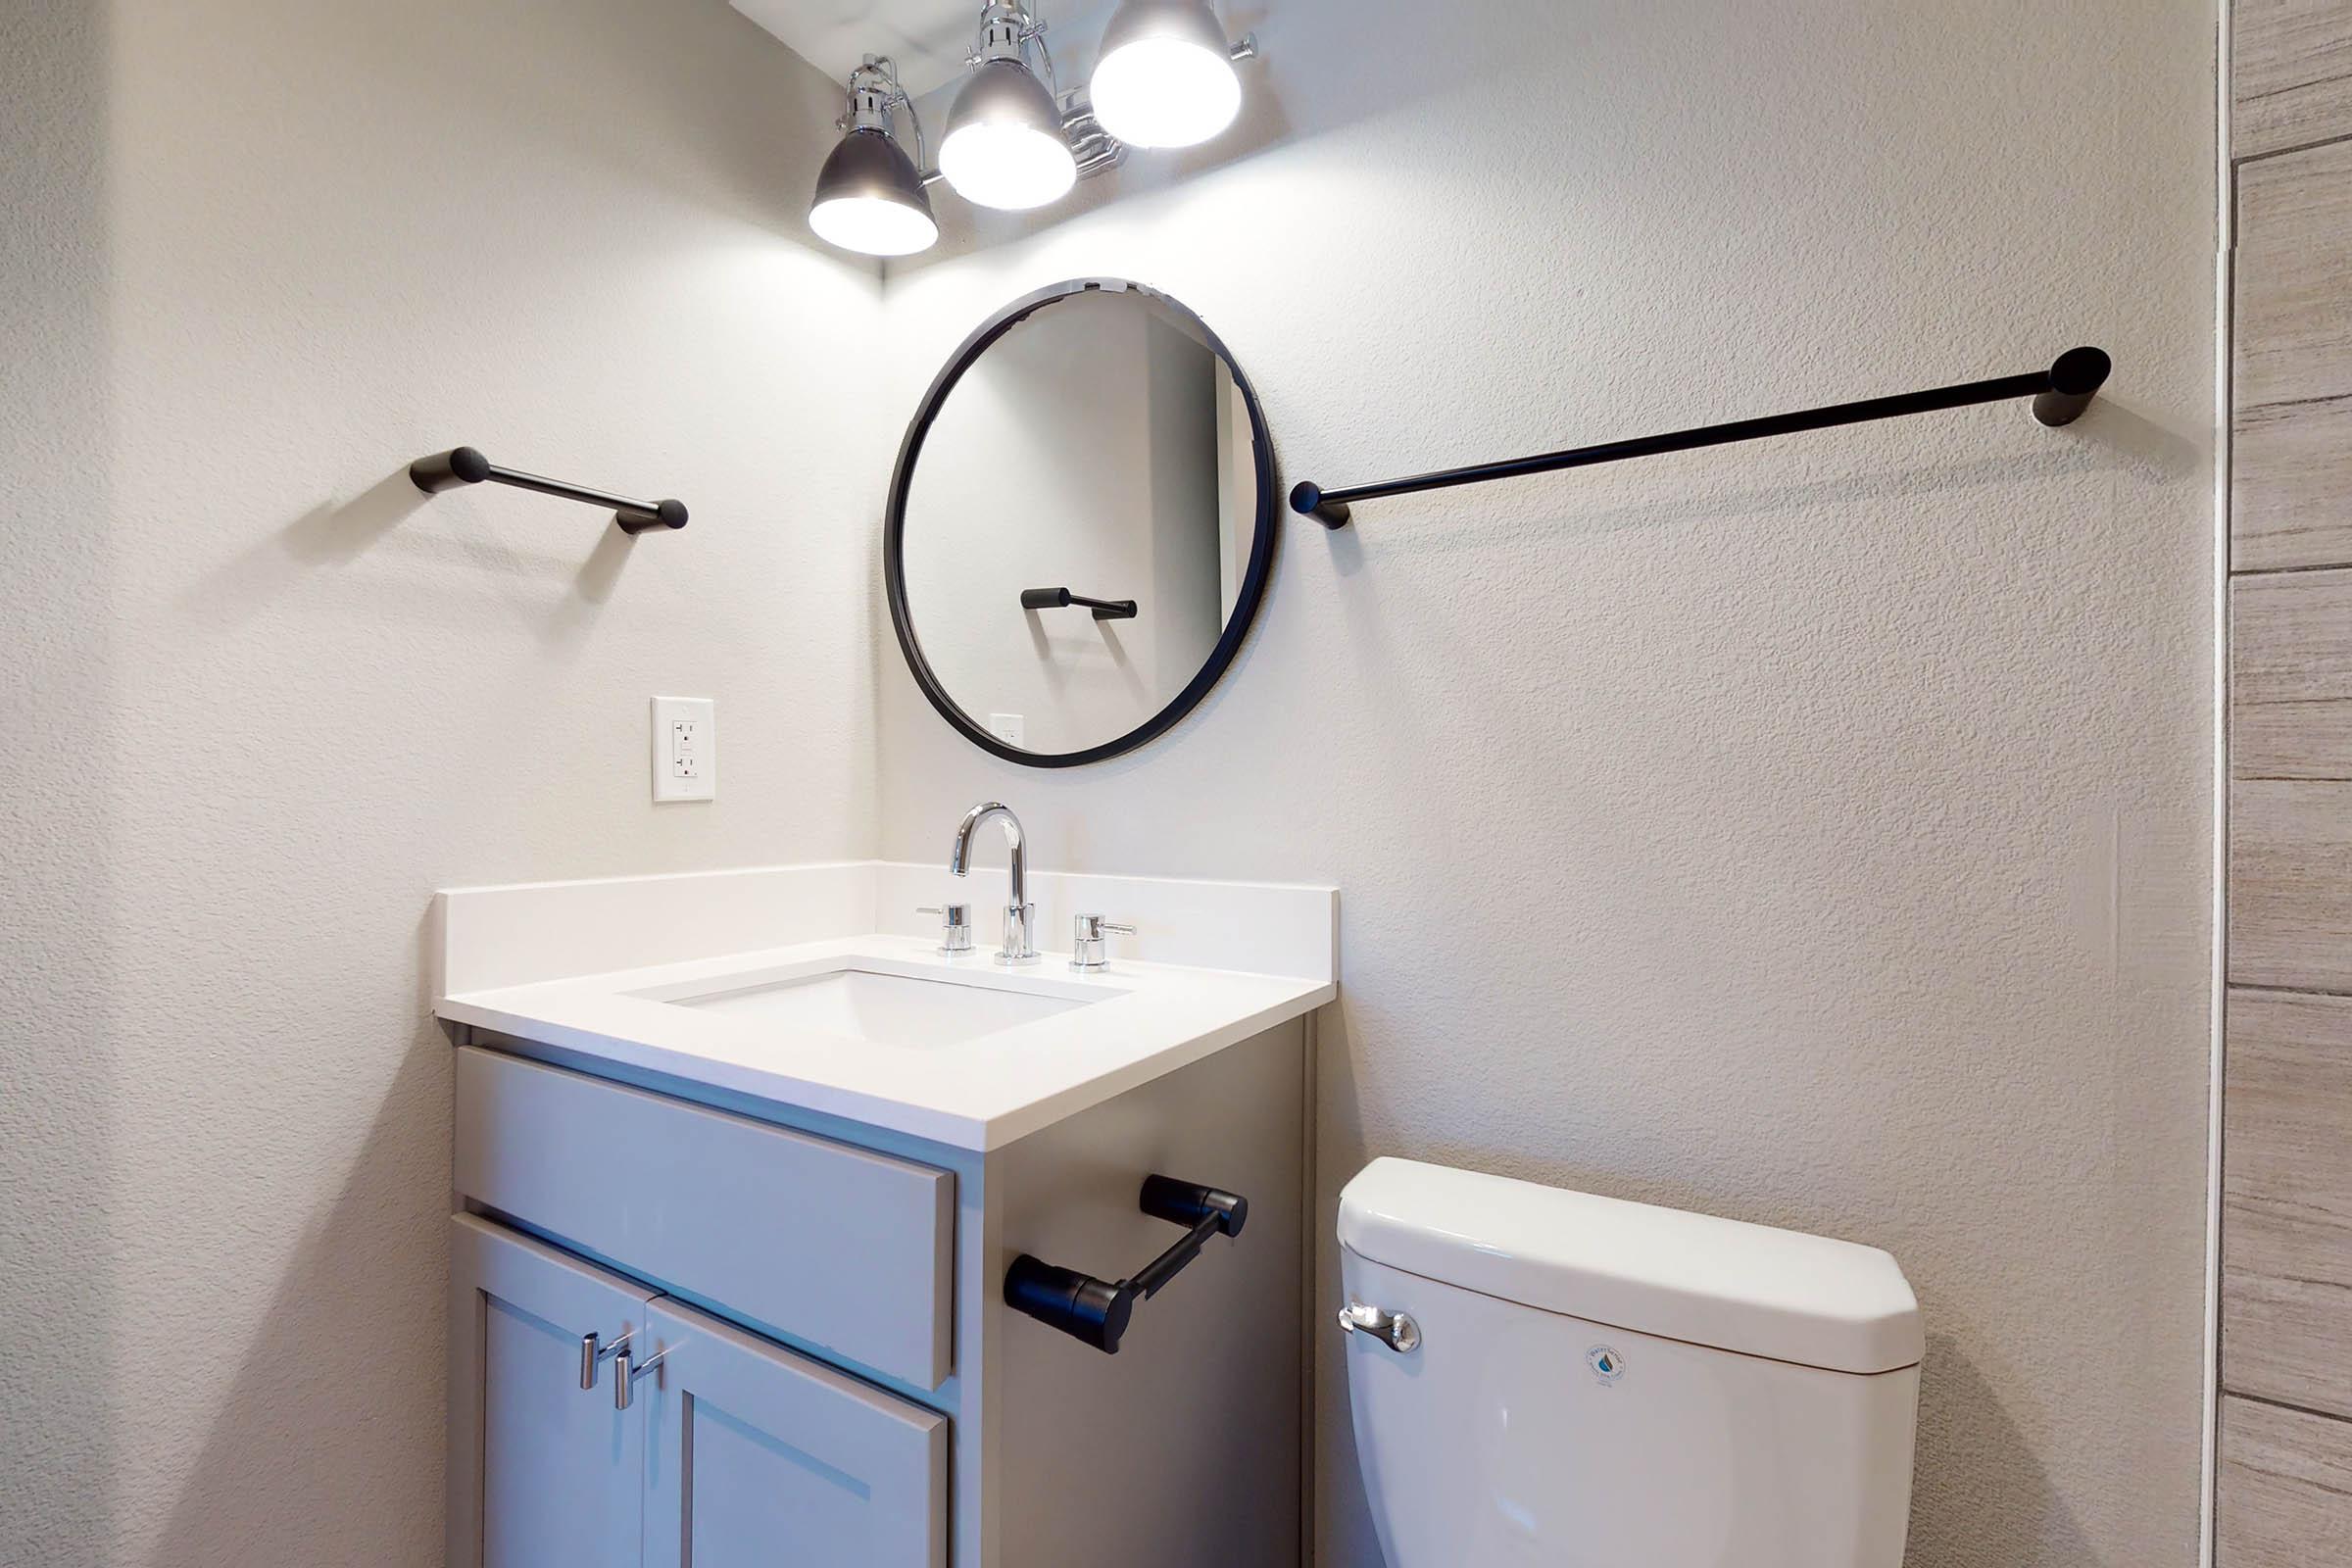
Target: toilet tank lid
[1763, 1292]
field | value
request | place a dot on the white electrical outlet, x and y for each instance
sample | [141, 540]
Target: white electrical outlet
[685, 749]
[1006, 727]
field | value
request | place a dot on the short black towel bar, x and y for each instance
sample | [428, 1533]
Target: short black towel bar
[1097, 1310]
[446, 471]
[2060, 394]
[1062, 598]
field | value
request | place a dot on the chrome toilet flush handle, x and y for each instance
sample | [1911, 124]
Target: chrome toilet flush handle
[1395, 1330]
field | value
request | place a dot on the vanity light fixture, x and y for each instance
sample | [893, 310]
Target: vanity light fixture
[869, 195]
[1166, 77]
[1015, 141]
[1006, 146]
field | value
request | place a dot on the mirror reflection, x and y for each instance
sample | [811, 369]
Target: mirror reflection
[1080, 522]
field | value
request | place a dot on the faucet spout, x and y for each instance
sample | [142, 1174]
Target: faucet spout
[1020, 917]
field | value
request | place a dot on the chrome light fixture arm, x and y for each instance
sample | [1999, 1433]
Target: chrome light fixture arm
[874, 94]
[1008, 28]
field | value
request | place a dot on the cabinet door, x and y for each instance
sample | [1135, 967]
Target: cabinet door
[758, 1456]
[541, 1472]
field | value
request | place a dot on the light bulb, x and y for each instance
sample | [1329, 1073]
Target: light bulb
[1005, 146]
[870, 199]
[1166, 78]
[1010, 167]
[875, 226]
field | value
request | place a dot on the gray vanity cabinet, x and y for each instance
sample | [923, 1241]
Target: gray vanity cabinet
[540, 1471]
[827, 1373]
[758, 1455]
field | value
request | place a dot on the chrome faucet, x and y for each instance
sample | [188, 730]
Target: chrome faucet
[1020, 915]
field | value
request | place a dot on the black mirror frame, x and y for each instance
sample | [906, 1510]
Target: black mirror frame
[1253, 580]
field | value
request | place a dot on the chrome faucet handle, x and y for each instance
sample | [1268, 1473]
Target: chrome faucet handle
[955, 925]
[1090, 942]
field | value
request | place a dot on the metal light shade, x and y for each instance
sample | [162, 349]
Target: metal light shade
[870, 199]
[1005, 146]
[1166, 77]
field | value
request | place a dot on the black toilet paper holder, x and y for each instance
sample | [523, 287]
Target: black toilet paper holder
[1097, 1310]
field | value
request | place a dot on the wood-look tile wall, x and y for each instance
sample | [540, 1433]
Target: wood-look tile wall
[2284, 1477]
[2291, 387]
[2285, 1480]
[2292, 74]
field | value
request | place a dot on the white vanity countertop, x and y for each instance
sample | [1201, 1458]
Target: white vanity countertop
[500, 950]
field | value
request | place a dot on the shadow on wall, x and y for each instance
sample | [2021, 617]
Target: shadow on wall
[658, 98]
[1986, 1499]
[61, 1259]
[2110, 438]
[1343, 1522]
[341, 534]
[277, 1460]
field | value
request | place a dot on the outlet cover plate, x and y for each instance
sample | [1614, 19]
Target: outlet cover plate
[685, 735]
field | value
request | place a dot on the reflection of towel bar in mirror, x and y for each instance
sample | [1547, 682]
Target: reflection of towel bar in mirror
[1062, 598]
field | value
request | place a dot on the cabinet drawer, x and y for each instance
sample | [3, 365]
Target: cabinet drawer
[838, 1247]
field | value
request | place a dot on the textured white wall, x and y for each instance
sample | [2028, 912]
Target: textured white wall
[1813, 832]
[263, 697]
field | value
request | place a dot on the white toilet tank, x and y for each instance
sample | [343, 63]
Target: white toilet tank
[1597, 1384]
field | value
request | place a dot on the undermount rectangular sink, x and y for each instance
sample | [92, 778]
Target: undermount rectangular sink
[884, 1009]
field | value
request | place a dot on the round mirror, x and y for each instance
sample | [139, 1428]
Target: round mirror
[1081, 524]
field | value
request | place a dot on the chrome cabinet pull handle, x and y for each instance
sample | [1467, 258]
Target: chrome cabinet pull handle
[1395, 1330]
[626, 1372]
[592, 1357]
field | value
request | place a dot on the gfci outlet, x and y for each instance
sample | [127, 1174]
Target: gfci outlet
[685, 749]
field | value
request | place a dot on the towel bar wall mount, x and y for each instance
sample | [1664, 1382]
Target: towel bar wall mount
[2060, 395]
[464, 466]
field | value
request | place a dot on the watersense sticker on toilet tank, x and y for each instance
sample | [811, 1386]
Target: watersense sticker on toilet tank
[1606, 1364]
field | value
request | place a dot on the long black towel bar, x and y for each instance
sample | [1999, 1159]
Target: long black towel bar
[2060, 394]
[459, 466]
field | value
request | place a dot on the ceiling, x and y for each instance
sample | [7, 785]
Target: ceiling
[928, 39]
